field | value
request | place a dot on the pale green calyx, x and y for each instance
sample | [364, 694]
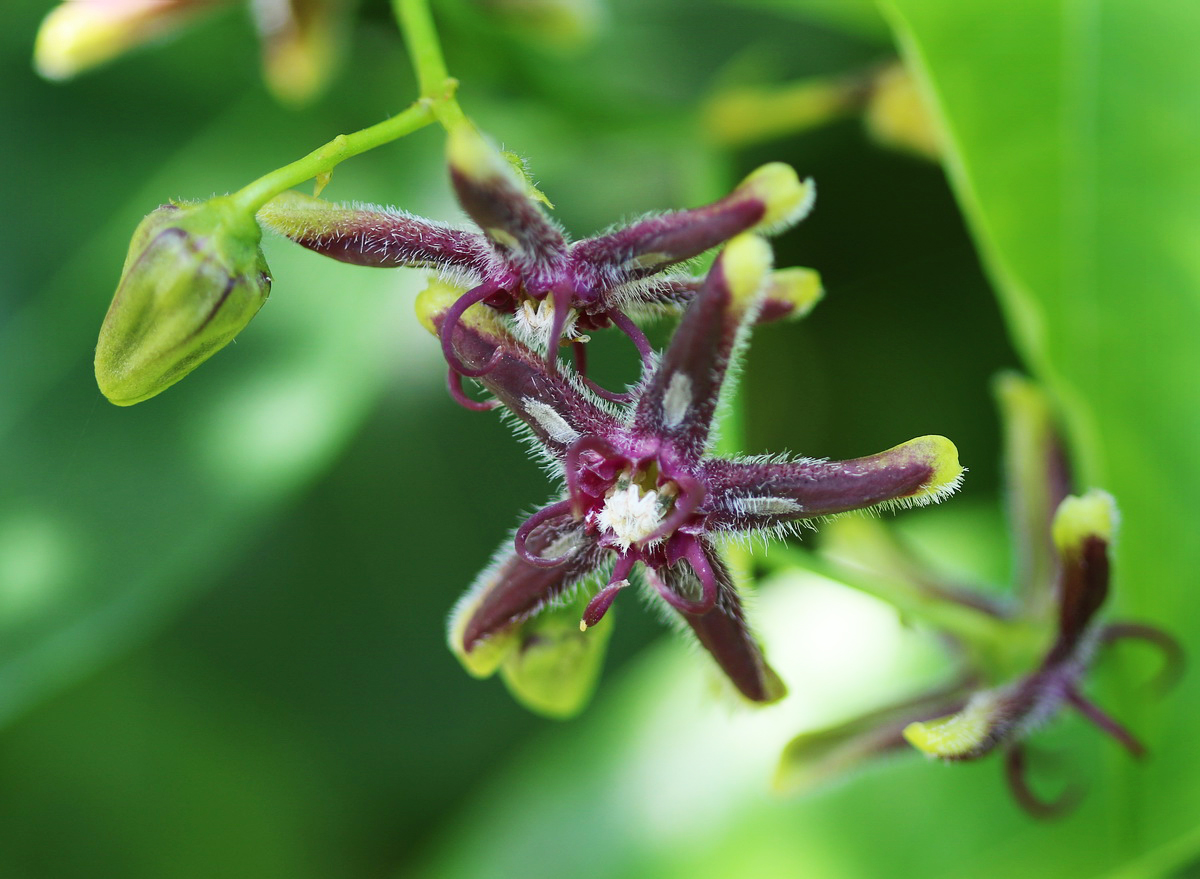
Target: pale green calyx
[193, 278]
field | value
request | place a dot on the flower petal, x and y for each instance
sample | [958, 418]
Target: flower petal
[492, 194]
[302, 43]
[790, 294]
[510, 590]
[1083, 531]
[815, 758]
[368, 235]
[552, 405]
[723, 631]
[747, 495]
[769, 200]
[681, 397]
[80, 34]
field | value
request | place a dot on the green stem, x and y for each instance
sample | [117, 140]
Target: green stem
[425, 50]
[437, 103]
[324, 159]
[420, 36]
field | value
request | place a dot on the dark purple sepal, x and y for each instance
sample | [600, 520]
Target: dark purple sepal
[681, 397]
[512, 589]
[723, 630]
[655, 243]
[1082, 589]
[373, 236]
[498, 202]
[748, 494]
[551, 404]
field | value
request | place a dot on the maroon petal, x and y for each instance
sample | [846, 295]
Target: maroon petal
[1083, 530]
[747, 495]
[550, 404]
[511, 589]
[723, 631]
[681, 397]
[376, 236]
[769, 199]
[499, 202]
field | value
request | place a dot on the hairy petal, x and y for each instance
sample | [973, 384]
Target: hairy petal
[1083, 530]
[511, 589]
[746, 495]
[681, 397]
[769, 200]
[817, 757]
[723, 631]
[553, 405]
[367, 235]
[492, 194]
[789, 294]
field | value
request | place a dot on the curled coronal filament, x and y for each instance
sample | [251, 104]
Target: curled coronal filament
[573, 467]
[704, 573]
[454, 315]
[602, 600]
[521, 538]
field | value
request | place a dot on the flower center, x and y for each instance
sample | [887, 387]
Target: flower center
[534, 318]
[632, 512]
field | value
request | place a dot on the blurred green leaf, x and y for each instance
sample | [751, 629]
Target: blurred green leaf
[111, 520]
[1072, 131]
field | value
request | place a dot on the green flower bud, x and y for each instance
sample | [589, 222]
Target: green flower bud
[193, 278]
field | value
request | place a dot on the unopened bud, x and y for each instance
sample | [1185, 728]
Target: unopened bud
[81, 34]
[193, 278]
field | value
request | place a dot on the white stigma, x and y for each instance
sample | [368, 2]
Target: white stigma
[630, 515]
[534, 320]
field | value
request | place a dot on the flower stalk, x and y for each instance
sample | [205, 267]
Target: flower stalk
[437, 103]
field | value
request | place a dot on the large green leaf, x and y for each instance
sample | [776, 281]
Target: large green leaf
[1071, 132]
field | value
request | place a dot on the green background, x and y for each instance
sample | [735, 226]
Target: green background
[221, 611]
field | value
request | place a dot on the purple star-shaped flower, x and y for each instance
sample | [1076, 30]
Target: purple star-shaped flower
[1050, 629]
[640, 485]
[521, 264]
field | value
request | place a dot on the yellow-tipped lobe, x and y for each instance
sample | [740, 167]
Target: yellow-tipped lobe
[77, 36]
[485, 658]
[470, 154]
[946, 472]
[1080, 517]
[294, 214]
[745, 262]
[798, 288]
[434, 301]
[956, 735]
[898, 118]
[787, 198]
